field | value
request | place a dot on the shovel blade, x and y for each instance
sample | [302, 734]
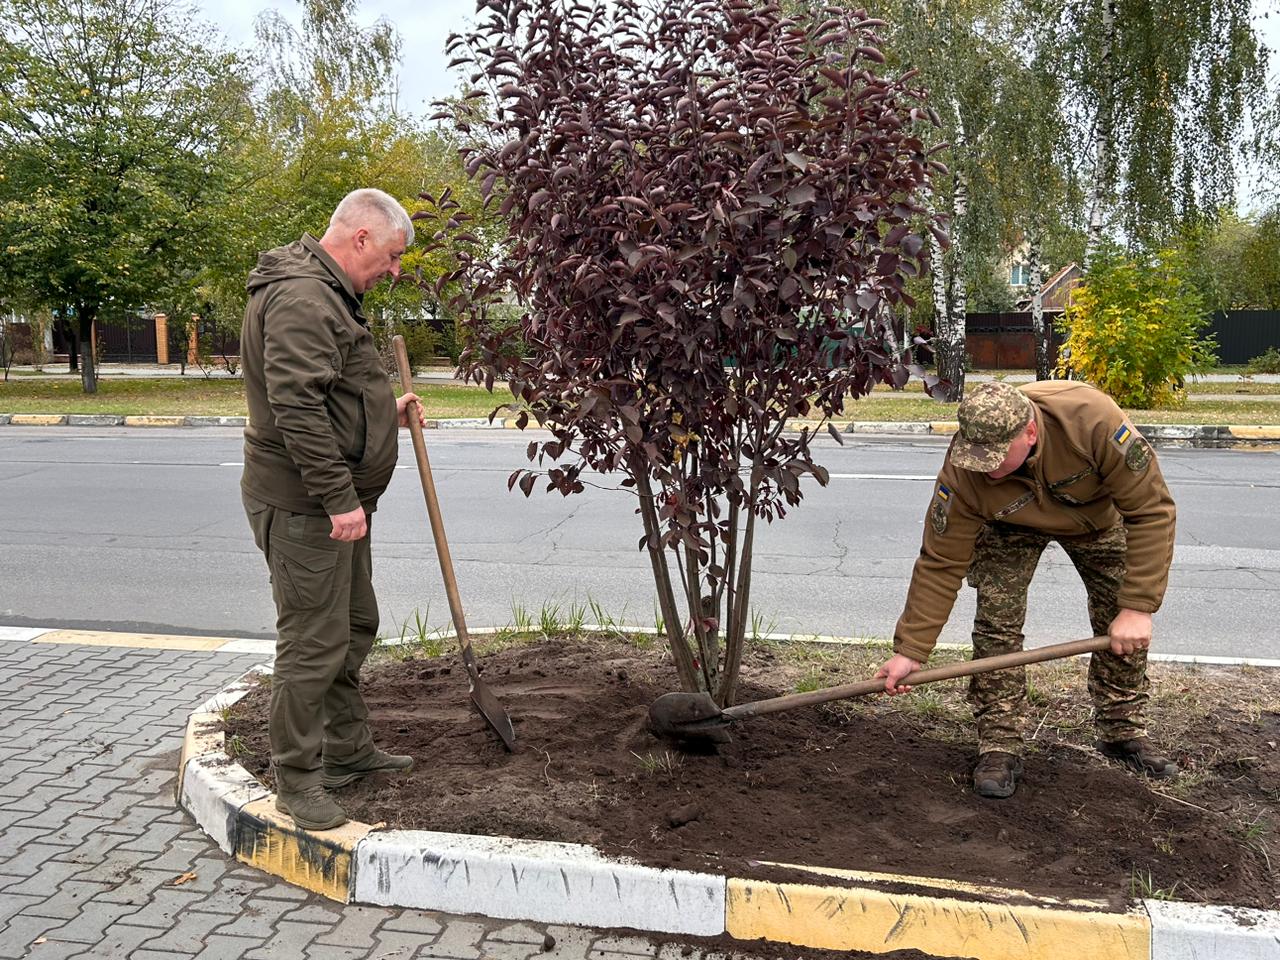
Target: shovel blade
[494, 713]
[688, 716]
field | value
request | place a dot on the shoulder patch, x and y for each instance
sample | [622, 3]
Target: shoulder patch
[1137, 456]
[1123, 435]
[939, 508]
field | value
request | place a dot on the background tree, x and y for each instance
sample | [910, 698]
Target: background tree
[997, 108]
[1234, 261]
[700, 198]
[1160, 97]
[114, 118]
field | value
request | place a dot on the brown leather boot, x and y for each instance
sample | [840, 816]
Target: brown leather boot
[996, 775]
[1138, 754]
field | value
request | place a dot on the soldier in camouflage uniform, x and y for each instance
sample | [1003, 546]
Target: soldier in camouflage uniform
[1052, 461]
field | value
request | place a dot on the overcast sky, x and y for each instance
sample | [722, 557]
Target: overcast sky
[425, 25]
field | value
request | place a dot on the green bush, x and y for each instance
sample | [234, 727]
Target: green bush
[1134, 331]
[1266, 362]
[421, 342]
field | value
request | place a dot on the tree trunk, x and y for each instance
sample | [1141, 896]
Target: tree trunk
[949, 333]
[88, 373]
[680, 652]
[1103, 132]
[739, 611]
[73, 348]
[1034, 283]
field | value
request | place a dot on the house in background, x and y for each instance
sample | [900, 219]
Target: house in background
[1056, 293]
[1005, 341]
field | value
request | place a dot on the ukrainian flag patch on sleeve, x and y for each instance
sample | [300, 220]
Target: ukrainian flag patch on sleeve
[1122, 436]
[939, 508]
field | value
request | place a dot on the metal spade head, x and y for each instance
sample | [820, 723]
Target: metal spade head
[688, 716]
[486, 701]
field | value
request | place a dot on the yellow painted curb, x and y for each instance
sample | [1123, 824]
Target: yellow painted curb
[37, 420]
[1007, 894]
[944, 427]
[155, 421]
[1269, 432]
[320, 862]
[841, 918]
[203, 735]
[151, 641]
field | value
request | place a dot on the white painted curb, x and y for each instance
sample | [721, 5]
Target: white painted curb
[1192, 931]
[513, 879]
[236, 691]
[213, 791]
[22, 634]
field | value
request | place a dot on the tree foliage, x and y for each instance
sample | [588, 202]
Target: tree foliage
[1134, 329]
[700, 198]
[116, 117]
[1159, 98]
[1235, 261]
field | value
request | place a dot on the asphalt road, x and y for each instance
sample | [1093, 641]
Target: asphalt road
[143, 529]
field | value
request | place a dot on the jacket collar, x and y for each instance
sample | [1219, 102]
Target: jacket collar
[313, 245]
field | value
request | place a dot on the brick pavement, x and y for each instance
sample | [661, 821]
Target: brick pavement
[92, 844]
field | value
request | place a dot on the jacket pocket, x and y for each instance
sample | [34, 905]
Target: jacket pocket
[302, 574]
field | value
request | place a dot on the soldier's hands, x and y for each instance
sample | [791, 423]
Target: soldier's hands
[402, 409]
[1130, 631]
[350, 526]
[893, 670]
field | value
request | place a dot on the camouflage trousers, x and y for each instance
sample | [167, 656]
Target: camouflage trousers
[1004, 560]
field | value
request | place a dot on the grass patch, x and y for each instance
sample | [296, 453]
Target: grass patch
[196, 396]
[917, 408]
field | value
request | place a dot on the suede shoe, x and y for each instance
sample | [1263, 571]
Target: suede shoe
[1138, 754]
[340, 774]
[996, 775]
[311, 808]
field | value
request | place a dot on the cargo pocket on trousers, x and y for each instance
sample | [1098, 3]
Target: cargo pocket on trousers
[304, 574]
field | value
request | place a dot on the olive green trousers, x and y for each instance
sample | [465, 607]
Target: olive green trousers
[326, 621]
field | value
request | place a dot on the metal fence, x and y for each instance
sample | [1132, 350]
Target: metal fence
[1244, 334]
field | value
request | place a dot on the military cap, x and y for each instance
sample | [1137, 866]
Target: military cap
[991, 417]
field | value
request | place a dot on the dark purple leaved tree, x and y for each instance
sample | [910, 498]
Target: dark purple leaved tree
[706, 203]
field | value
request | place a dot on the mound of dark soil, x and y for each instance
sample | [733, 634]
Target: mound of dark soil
[873, 793]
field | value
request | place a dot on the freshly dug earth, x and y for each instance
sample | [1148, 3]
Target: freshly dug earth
[876, 785]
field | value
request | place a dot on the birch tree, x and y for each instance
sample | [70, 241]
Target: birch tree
[1160, 98]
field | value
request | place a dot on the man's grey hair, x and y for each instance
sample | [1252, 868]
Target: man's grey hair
[370, 207]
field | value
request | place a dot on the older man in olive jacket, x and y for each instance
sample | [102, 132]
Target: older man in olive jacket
[319, 450]
[1054, 460]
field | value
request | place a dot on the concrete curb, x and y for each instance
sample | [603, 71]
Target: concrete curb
[513, 879]
[1160, 434]
[516, 879]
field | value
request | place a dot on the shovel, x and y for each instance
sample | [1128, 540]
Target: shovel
[484, 699]
[695, 716]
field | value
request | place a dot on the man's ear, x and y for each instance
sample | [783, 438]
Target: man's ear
[360, 238]
[1031, 431]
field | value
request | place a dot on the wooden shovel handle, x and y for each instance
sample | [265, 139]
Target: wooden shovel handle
[967, 668]
[433, 505]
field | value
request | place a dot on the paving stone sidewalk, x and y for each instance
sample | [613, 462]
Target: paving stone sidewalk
[93, 848]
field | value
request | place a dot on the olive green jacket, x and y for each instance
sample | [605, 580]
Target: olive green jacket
[321, 436]
[1089, 470]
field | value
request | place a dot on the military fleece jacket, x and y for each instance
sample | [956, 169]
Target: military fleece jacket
[321, 435]
[1089, 470]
